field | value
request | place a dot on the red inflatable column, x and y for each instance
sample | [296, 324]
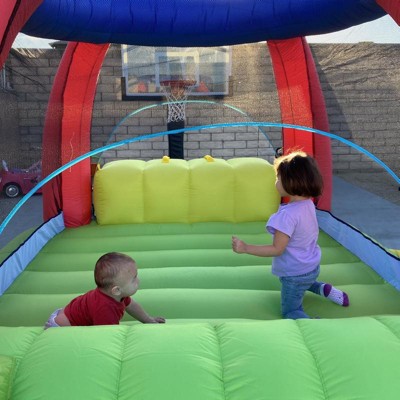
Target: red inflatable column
[51, 140]
[74, 93]
[290, 69]
[79, 96]
[392, 7]
[322, 144]
[302, 103]
[13, 15]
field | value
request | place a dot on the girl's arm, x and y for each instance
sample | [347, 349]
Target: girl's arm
[136, 311]
[276, 249]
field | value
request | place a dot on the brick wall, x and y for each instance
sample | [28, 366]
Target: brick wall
[361, 85]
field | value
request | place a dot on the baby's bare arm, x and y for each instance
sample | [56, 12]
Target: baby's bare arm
[136, 311]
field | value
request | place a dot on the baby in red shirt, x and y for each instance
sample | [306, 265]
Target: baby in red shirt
[117, 279]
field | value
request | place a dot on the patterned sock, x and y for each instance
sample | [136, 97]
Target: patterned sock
[335, 295]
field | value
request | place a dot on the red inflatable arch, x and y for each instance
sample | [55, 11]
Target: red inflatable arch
[14, 14]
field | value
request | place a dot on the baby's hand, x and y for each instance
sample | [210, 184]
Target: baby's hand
[156, 320]
[238, 246]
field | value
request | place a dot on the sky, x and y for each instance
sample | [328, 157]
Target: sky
[383, 30]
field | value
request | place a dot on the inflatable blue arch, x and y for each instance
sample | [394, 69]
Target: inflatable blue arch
[224, 338]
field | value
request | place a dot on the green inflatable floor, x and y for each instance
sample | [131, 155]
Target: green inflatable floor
[219, 342]
[224, 338]
[354, 358]
[188, 272]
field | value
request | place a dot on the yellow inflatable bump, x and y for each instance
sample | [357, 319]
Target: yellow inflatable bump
[165, 191]
[396, 252]
[211, 191]
[118, 193]
[254, 189]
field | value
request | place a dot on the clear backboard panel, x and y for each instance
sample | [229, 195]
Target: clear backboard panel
[144, 68]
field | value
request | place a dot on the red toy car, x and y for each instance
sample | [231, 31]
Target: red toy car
[16, 181]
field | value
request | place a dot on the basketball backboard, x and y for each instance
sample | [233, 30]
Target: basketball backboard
[145, 67]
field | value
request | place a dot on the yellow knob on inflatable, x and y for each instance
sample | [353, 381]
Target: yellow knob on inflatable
[165, 160]
[396, 252]
[209, 158]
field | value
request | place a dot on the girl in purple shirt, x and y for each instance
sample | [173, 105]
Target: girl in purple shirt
[295, 230]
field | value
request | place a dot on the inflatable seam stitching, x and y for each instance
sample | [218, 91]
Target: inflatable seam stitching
[20, 359]
[386, 326]
[123, 346]
[316, 362]
[221, 362]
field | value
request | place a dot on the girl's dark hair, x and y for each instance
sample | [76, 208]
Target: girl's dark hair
[108, 266]
[299, 174]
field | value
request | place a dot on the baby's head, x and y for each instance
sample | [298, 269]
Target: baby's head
[299, 174]
[116, 274]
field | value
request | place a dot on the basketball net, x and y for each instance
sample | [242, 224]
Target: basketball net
[176, 92]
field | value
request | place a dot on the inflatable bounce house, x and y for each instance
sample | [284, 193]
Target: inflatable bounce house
[224, 337]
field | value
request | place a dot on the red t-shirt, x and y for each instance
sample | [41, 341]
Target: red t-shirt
[95, 308]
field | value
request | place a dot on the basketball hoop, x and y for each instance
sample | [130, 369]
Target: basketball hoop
[176, 92]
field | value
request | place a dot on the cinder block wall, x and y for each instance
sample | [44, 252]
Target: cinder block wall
[9, 129]
[361, 86]
[30, 73]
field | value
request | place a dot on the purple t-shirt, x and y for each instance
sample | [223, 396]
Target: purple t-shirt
[298, 220]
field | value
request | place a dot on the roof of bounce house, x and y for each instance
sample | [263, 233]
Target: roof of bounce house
[195, 22]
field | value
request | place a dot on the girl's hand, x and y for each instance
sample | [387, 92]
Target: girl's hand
[156, 320]
[238, 246]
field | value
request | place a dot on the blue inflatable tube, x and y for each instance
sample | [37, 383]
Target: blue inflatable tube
[194, 22]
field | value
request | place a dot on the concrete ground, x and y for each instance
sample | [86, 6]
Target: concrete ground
[379, 183]
[29, 216]
[368, 201]
[367, 211]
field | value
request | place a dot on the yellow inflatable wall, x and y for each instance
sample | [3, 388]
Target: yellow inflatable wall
[179, 191]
